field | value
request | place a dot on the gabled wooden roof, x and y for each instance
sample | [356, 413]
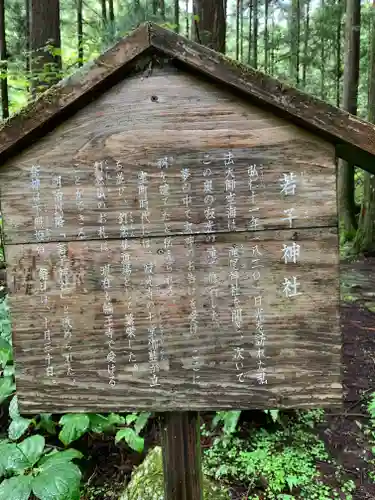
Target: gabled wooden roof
[354, 138]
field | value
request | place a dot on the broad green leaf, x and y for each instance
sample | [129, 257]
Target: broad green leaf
[16, 488]
[59, 483]
[7, 388]
[5, 352]
[116, 419]
[135, 442]
[8, 371]
[46, 423]
[74, 426]
[58, 457]
[132, 417]
[26, 454]
[13, 408]
[98, 423]
[5, 449]
[18, 427]
[13, 460]
[141, 421]
[274, 415]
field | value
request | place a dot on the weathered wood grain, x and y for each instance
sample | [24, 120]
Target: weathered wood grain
[302, 347]
[335, 124]
[189, 119]
[70, 93]
[52, 108]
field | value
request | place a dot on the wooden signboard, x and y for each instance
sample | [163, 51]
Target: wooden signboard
[173, 247]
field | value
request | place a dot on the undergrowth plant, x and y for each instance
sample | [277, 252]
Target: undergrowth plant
[28, 464]
[370, 432]
[278, 464]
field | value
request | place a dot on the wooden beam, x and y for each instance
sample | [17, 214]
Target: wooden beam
[71, 93]
[183, 478]
[356, 156]
[333, 123]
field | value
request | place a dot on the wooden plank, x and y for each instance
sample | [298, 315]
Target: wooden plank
[183, 478]
[195, 125]
[72, 92]
[152, 41]
[199, 343]
[337, 125]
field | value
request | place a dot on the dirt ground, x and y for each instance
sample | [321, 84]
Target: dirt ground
[343, 430]
[342, 433]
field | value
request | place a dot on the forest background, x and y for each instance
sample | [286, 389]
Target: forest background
[323, 47]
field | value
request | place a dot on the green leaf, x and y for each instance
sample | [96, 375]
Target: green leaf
[31, 449]
[141, 421]
[4, 451]
[274, 415]
[46, 423]
[15, 488]
[8, 371]
[116, 419]
[292, 482]
[58, 457]
[7, 388]
[18, 427]
[230, 421]
[130, 418]
[13, 408]
[135, 442]
[60, 483]
[98, 423]
[74, 426]
[5, 352]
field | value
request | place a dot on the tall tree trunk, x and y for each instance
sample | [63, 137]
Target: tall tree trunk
[294, 42]
[365, 236]
[210, 23]
[338, 52]
[249, 54]
[111, 12]
[266, 48]
[80, 32]
[238, 6]
[255, 33]
[241, 30]
[27, 35]
[350, 95]
[322, 52]
[103, 5]
[177, 16]
[154, 7]
[4, 57]
[162, 9]
[111, 19]
[298, 40]
[272, 54]
[45, 30]
[306, 44]
[187, 18]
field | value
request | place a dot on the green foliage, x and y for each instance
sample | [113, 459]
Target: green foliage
[130, 434]
[28, 467]
[229, 419]
[276, 464]
[370, 431]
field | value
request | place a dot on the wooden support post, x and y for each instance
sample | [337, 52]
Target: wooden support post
[183, 478]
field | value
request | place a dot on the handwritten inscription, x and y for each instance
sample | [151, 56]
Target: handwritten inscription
[210, 285]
